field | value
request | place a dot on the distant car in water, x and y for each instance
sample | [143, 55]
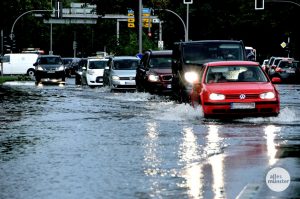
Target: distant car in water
[154, 74]
[49, 69]
[287, 70]
[120, 72]
[92, 73]
[234, 89]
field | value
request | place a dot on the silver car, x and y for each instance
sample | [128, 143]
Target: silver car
[120, 72]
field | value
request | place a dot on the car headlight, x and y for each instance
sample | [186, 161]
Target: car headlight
[191, 77]
[39, 68]
[267, 95]
[114, 77]
[153, 78]
[60, 68]
[216, 96]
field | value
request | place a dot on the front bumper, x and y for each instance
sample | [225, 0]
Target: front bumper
[123, 84]
[95, 80]
[50, 75]
[262, 109]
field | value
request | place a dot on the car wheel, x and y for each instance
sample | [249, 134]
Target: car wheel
[31, 73]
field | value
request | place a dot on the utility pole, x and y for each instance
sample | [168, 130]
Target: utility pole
[140, 27]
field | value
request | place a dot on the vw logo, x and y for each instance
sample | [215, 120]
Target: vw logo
[242, 96]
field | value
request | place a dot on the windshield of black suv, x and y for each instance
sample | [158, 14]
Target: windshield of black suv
[50, 60]
[125, 64]
[160, 62]
[200, 53]
[97, 64]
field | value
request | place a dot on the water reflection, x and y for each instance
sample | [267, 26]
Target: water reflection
[216, 160]
[193, 170]
[270, 134]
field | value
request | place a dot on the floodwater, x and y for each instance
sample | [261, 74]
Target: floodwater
[76, 142]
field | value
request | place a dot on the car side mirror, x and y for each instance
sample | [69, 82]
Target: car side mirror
[276, 80]
[35, 64]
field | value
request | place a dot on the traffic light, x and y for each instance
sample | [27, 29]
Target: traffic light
[259, 4]
[58, 9]
[156, 35]
[6, 44]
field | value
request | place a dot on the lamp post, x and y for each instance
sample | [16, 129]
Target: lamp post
[184, 26]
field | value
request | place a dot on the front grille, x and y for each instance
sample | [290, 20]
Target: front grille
[237, 96]
[127, 78]
[166, 77]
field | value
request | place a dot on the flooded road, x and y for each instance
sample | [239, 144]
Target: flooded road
[77, 142]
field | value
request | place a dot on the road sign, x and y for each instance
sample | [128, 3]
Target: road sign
[259, 4]
[161, 44]
[283, 44]
[188, 1]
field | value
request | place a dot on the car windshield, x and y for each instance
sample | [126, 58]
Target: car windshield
[161, 62]
[125, 64]
[50, 60]
[99, 64]
[218, 74]
[206, 52]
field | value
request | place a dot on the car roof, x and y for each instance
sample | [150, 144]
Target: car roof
[211, 41]
[232, 63]
[159, 52]
[125, 57]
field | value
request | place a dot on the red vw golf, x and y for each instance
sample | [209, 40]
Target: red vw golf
[234, 89]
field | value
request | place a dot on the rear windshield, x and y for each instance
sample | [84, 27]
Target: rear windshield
[125, 64]
[235, 74]
[206, 52]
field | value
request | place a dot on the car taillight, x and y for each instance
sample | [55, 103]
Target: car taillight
[278, 70]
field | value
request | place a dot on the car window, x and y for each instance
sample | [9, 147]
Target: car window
[201, 53]
[235, 74]
[100, 64]
[125, 64]
[160, 62]
[50, 60]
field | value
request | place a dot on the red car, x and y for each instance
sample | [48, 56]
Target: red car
[234, 89]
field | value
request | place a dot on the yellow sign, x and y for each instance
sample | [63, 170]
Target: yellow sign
[283, 44]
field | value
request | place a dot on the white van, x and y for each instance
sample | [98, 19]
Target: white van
[19, 63]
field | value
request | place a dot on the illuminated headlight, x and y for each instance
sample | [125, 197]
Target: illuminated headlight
[39, 68]
[153, 78]
[215, 96]
[115, 77]
[191, 77]
[268, 95]
[60, 68]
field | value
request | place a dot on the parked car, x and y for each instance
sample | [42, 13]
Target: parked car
[154, 74]
[244, 90]
[287, 70]
[19, 64]
[78, 70]
[49, 69]
[92, 74]
[120, 72]
[188, 59]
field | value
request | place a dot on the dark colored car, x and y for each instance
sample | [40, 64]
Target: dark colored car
[70, 64]
[154, 74]
[287, 70]
[49, 69]
[188, 59]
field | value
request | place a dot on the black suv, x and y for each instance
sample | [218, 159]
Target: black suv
[154, 73]
[188, 59]
[49, 69]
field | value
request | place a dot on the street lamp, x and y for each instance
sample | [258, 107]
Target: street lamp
[184, 26]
